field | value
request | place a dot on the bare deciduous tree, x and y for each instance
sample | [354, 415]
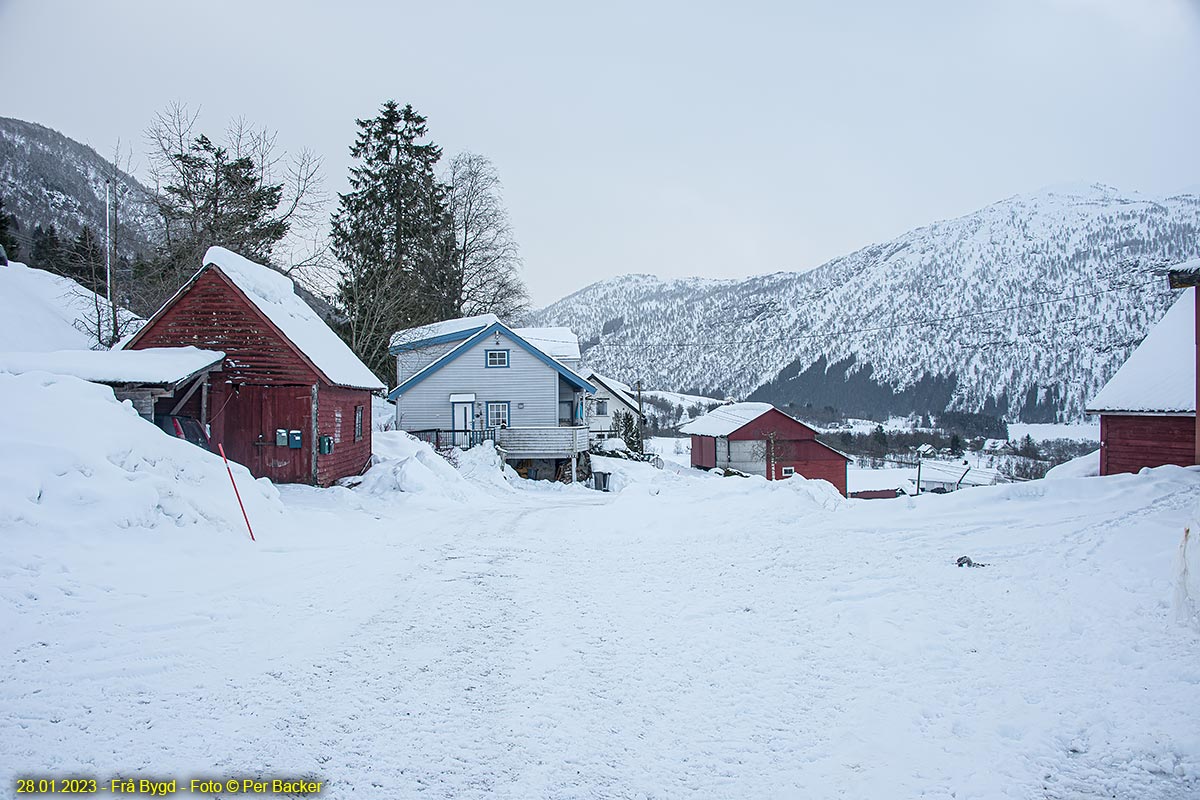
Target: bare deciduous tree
[489, 261]
[244, 194]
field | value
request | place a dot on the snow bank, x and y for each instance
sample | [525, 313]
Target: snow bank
[1085, 466]
[78, 459]
[403, 463]
[43, 311]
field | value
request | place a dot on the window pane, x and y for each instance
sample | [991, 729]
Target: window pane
[497, 414]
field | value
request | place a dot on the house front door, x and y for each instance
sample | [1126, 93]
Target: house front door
[463, 415]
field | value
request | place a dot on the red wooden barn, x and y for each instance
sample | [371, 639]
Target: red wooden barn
[759, 439]
[1148, 410]
[293, 403]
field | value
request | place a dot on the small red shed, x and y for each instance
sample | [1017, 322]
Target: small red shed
[759, 439]
[293, 402]
[1148, 409]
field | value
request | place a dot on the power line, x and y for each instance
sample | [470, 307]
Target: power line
[881, 328]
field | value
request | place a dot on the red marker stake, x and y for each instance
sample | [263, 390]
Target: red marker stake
[236, 493]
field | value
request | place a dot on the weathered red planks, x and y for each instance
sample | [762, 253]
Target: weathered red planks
[1130, 442]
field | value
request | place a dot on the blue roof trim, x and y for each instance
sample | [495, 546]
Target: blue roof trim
[456, 336]
[568, 375]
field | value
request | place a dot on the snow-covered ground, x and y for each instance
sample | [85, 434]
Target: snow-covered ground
[1041, 432]
[442, 632]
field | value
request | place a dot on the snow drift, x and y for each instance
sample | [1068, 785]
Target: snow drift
[87, 461]
[44, 311]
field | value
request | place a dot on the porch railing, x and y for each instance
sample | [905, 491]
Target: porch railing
[443, 439]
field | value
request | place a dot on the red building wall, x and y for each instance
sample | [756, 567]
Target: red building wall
[810, 459]
[335, 417]
[1130, 442]
[704, 452]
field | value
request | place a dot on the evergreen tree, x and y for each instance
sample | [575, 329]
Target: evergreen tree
[8, 229]
[46, 251]
[394, 236]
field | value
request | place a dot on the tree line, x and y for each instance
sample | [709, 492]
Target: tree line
[413, 241]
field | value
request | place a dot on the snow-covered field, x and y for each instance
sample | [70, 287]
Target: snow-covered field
[1041, 432]
[442, 632]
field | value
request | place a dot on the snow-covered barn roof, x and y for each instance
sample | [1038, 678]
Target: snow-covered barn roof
[1160, 375]
[724, 420]
[555, 342]
[274, 294]
[156, 366]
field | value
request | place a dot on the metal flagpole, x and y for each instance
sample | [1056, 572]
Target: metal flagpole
[107, 244]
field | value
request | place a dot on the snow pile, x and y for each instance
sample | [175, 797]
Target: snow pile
[78, 459]
[403, 463]
[483, 466]
[44, 311]
[383, 414]
[275, 296]
[614, 445]
[1085, 466]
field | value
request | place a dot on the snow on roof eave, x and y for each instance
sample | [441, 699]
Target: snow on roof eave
[154, 366]
[448, 330]
[724, 420]
[621, 395]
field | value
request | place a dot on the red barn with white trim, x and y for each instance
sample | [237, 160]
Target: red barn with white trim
[759, 439]
[293, 402]
[1148, 409]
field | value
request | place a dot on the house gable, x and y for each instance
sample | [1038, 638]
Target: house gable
[774, 421]
[474, 343]
[211, 313]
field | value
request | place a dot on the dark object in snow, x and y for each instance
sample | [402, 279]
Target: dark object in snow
[965, 561]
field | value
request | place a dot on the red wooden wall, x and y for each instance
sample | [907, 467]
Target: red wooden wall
[335, 417]
[1130, 442]
[811, 460]
[704, 452]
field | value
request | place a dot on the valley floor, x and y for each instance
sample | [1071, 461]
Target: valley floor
[688, 636]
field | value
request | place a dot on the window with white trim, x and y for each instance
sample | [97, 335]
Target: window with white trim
[496, 358]
[497, 415]
[788, 472]
[601, 408]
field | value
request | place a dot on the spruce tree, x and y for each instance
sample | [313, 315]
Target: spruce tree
[8, 229]
[46, 250]
[394, 236]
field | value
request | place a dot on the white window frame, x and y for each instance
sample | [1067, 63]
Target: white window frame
[498, 405]
[602, 408]
[787, 472]
[488, 359]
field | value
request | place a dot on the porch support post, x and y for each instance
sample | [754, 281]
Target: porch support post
[574, 470]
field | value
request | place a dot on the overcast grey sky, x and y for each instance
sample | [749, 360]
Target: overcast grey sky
[719, 139]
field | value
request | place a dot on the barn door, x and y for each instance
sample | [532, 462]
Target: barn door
[288, 408]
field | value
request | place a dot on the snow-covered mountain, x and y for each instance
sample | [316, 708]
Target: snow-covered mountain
[47, 178]
[1023, 309]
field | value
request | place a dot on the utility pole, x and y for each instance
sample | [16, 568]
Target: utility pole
[107, 242]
